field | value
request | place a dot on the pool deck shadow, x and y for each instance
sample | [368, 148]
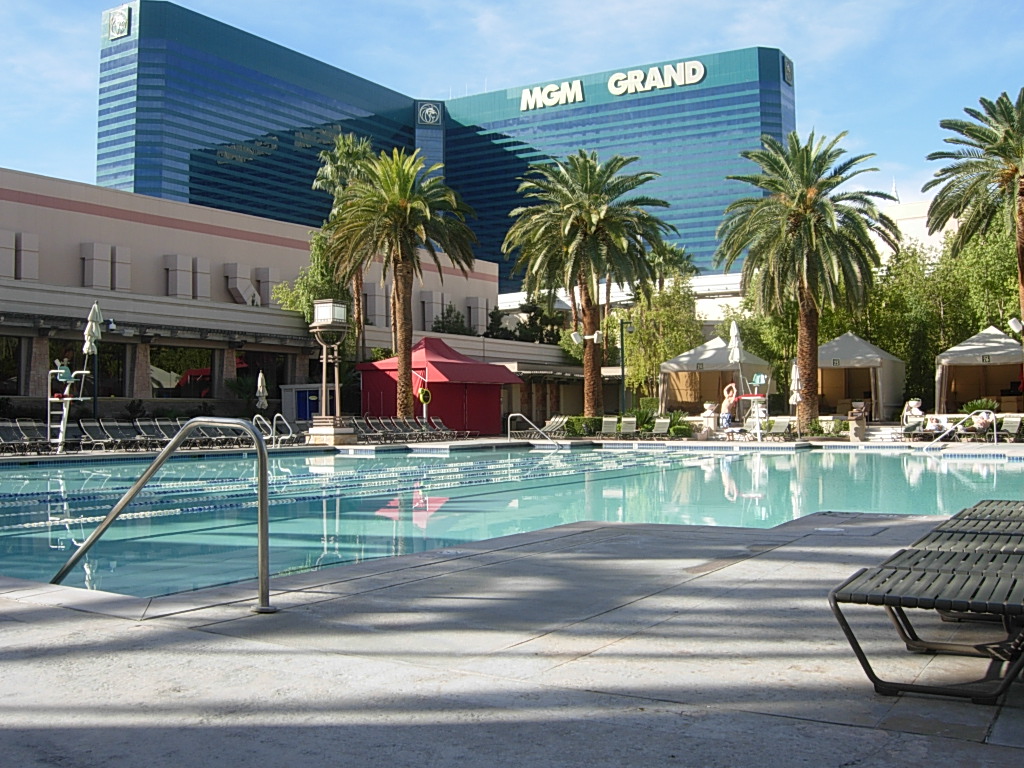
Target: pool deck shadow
[589, 644]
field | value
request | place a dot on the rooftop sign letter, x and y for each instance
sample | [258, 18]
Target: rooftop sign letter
[639, 81]
[551, 95]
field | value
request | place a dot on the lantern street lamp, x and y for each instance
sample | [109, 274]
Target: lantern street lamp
[330, 322]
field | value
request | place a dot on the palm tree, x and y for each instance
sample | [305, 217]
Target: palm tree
[670, 261]
[399, 209]
[805, 241]
[341, 164]
[583, 228]
[984, 184]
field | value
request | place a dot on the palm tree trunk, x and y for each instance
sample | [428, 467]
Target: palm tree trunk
[593, 391]
[403, 339]
[358, 311]
[807, 358]
[395, 312]
[1020, 243]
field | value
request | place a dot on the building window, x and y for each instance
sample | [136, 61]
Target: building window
[10, 365]
[181, 371]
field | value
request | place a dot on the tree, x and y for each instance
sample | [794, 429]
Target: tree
[804, 240]
[496, 328]
[451, 321]
[539, 325]
[583, 228]
[664, 325]
[400, 209]
[670, 261]
[315, 281]
[983, 186]
[342, 164]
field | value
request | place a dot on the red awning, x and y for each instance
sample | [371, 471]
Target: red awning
[444, 364]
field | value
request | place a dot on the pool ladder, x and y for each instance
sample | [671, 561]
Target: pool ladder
[541, 432]
[262, 502]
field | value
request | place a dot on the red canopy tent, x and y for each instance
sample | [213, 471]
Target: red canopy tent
[465, 393]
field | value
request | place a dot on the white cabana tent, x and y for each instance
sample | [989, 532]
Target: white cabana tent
[850, 368]
[701, 374]
[985, 365]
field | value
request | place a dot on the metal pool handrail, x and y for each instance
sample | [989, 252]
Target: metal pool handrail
[956, 426]
[523, 416]
[262, 502]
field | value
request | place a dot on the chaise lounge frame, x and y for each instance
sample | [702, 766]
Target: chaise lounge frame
[971, 566]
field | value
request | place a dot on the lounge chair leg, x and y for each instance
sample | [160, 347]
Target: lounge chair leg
[977, 693]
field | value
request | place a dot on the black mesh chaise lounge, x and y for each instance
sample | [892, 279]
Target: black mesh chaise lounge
[970, 566]
[986, 587]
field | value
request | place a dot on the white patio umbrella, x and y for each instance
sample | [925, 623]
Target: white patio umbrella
[93, 333]
[261, 391]
[736, 356]
[736, 353]
[735, 344]
[93, 329]
[794, 385]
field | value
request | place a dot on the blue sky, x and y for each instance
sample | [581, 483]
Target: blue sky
[886, 71]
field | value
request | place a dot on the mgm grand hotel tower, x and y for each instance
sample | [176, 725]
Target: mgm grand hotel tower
[194, 110]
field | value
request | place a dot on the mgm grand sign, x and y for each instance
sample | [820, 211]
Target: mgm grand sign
[619, 84]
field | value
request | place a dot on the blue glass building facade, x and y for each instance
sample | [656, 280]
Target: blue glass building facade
[195, 110]
[686, 119]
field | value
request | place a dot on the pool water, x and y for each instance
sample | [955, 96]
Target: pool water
[194, 525]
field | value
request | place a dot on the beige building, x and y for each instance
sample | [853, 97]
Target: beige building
[187, 298]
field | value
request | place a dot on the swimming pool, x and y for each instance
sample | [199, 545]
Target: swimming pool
[194, 525]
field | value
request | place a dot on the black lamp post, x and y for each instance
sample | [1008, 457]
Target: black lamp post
[623, 330]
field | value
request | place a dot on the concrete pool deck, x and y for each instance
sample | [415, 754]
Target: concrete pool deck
[583, 645]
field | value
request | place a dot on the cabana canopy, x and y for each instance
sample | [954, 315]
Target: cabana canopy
[465, 393]
[701, 374]
[986, 365]
[849, 367]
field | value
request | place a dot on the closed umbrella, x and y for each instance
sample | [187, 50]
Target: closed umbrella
[794, 385]
[736, 351]
[735, 355]
[261, 391]
[93, 330]
[93, 333]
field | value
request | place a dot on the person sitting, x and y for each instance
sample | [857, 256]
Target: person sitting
[912, 412]
[981, 423]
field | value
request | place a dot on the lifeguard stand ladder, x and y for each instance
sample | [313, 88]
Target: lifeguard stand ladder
[59, 403]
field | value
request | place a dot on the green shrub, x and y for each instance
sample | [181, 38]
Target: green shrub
[644, 418]
[583, 426]
[681, 429]
[675, 418]
[981, 404]
[649, 403]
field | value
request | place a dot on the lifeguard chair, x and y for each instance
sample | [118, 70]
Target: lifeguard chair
[59, 402]
[756, 403]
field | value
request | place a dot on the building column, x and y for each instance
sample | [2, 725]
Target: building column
[39, 367]
[137, 379]
[222, 368]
